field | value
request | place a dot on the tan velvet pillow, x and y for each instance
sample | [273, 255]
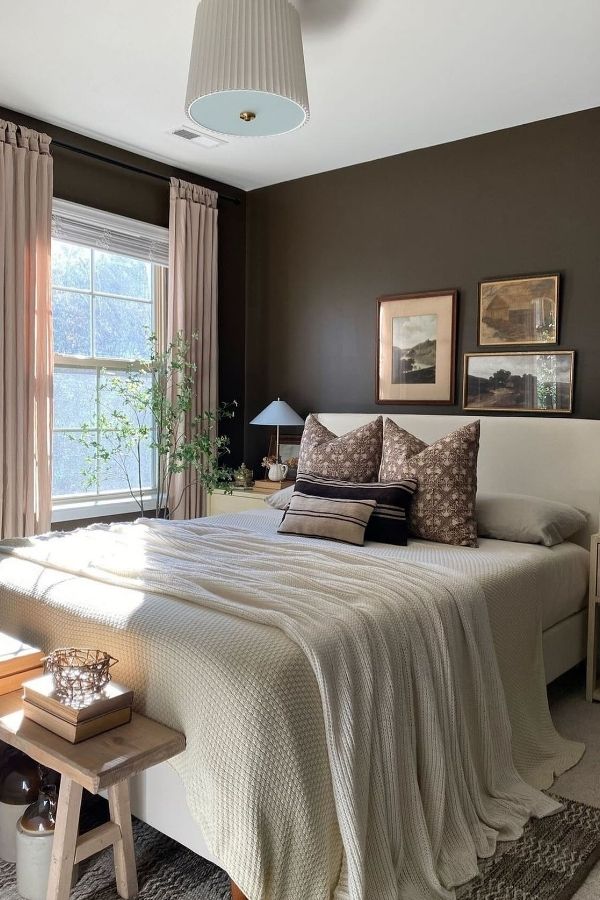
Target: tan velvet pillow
[355, 456]
[443, 507]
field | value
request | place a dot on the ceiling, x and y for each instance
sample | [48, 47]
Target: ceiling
[384, 76]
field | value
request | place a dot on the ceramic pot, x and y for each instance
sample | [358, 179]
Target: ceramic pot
[19, 787]
[277, 472]
[35, 837]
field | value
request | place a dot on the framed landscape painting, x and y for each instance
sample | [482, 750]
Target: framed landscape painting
[289, 451]
[416, 347]
[519, 382]
[520, 310]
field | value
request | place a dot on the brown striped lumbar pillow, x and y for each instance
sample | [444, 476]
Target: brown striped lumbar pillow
[389, 522]
[337, 520]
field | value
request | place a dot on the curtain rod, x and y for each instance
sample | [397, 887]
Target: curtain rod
[130, 168]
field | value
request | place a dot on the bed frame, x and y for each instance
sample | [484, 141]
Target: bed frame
[555, 458]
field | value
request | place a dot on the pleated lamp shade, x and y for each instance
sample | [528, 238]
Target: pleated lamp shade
[247, 75]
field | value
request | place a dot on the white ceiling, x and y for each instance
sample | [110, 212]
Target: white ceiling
[384, 76]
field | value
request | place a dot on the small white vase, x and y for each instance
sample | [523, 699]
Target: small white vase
[277, 472]
[34, 852]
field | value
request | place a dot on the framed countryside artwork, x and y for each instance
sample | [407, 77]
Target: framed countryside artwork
[530, 381]
[416, 343]
[519, 310]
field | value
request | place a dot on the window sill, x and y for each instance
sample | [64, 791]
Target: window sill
[70, 510]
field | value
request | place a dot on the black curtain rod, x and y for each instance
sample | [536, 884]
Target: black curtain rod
[123, 165]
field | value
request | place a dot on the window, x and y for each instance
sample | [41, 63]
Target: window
[104, 306]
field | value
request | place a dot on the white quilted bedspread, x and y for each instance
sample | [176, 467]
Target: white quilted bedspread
[347, 730]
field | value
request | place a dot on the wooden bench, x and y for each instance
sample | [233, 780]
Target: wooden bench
[105, 762]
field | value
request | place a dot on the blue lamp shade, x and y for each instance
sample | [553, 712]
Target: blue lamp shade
[278, 413]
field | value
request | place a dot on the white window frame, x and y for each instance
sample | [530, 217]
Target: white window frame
[99, 230]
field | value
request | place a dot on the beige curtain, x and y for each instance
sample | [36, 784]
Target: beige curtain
[25, 331]
[192, 308]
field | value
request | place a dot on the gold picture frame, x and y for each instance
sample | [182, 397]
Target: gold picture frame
[511, 381]
[519, 309]
[416, 348]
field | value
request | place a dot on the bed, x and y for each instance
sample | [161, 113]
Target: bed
[44, 600]
[553, 458]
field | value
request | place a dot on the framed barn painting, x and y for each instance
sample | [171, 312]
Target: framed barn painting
[520, 310]
[530, 381]
[416, 348]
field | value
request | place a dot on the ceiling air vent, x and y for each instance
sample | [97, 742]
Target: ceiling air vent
[185, 133]
[207, 141]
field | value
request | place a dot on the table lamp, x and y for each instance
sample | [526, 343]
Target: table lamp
[277, 413]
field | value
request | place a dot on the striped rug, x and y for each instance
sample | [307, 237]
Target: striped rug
[549, 863]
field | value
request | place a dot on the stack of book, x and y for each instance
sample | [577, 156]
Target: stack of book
[18, 663]
[269, 487]
[109, 709]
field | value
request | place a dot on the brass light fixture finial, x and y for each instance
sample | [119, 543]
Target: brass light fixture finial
[247, 116]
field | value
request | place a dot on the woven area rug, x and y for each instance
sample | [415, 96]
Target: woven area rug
[549, 863]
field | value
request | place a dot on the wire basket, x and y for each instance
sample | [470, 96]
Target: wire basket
[79, 675]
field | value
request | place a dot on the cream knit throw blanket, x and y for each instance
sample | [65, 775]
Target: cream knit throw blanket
[416, 726]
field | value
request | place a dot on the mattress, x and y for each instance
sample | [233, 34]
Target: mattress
[555, 579]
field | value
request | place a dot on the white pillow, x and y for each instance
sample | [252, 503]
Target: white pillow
[280, 499]
[528, 520]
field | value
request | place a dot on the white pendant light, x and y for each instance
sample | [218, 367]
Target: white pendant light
[247, 75]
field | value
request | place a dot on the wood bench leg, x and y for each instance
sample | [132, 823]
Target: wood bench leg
[236, 894]
[120, 813]
[65, 840]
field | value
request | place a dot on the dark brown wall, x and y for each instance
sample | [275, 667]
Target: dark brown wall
[321, 249]
[142, 197]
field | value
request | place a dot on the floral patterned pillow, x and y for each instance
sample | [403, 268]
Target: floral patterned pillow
[355, 456]
[443, 507]
[398, 446]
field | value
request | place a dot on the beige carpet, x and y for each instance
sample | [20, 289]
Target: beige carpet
[576, 719]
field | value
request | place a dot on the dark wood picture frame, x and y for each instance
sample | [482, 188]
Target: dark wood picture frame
[555, 276]
[567, 409]
[283, 439]
[450, 394]
[289, 439]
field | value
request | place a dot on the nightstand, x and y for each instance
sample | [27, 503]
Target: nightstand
[592, 690]
[239, 501]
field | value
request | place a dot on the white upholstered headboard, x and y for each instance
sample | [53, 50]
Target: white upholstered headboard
[554, 458]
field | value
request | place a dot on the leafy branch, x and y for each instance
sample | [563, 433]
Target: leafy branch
[151, 404]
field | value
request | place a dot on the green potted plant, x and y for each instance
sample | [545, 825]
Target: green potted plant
[149, 406]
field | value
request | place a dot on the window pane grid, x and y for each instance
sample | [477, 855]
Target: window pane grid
[113, 326]
[90, 362]
[97, 418]
[71, 290]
